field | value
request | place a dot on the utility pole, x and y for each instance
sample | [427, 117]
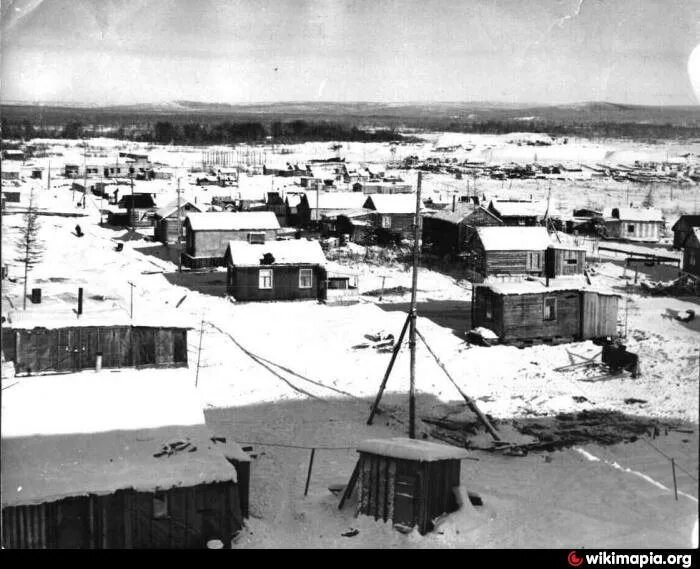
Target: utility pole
[85, 172]
[48, 179]
[179, 231]
[131, 302]
[131, 211]
[413, 315]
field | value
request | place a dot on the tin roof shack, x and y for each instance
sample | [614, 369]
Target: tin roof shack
[50, 337]
[449, 231]
[139, 210]
[410, 482]
[528, 311]
[683, 228]
[635, 224]
[341, 285]
[165, 220]
[563, 259]
[278, 270]
[691, 253]
[519, 213]
[116, 461]
[496, 251]
[207, 235]
[395, 217]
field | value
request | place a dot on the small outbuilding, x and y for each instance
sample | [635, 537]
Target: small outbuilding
[564, 259]
[410, 482]
[691, 253]
[395, 214]
[683, 228]
[635, 224]
[530, 311]
[165, 220]
[448, 231]
[278, 270]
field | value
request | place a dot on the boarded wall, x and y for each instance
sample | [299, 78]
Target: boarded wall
[70, 349]
[243, 283]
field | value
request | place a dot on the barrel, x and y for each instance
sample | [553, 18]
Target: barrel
[36, 295]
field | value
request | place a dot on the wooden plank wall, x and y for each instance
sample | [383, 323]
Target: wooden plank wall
[523, 316]
[244, 281]
[214, 243]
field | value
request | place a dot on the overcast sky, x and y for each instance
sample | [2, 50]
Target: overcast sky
[238, 51]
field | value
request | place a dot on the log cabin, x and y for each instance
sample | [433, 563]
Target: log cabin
[278, 270]
[634, 224]
[448, 231]
[528, 311]
[165, 220]
[683, 228]
[500, 250]
[117, 461]
[207, 234]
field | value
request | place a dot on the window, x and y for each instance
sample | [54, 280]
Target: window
[265, 278]
[258, 237]
[489, 307]
[386, 222]
[160, 506]
[550, 309]
[305, 278]
[630, 228]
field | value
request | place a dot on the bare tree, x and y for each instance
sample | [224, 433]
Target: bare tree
[29, 246]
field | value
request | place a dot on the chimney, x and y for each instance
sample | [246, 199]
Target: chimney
[80, 301]
[454, 201]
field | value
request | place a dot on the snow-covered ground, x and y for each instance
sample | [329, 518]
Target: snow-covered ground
[288, 373]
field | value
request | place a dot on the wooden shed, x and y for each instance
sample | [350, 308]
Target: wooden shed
[495, 251]
[691, 253]
[410, 482]
[165, 220]
[635, 224]
[208, 234]
[278, 270]
[519, 213]
[116, 461]
[529, 311]
[45, 340]
[563, 259]
[683, 228]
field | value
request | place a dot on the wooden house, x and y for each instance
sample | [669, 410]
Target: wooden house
[410, 482]
[51, 338]
[165, 220]
[116, 461]
[207, 234]
[498, 250]
[293, 217]
[634, 224]
[278, 270]
[683, 228]
[139, 208]
[564, 259]
[315, 206]
[395, 214]
[531, 311]
[448, 231]
[519, 213]
[691, 253]
[116, 170]
[341, 286]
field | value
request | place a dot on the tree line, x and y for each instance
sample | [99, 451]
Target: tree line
[201, 133]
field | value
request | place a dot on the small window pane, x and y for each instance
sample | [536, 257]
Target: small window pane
[550, 307]
[305, 278]
[265, 279]
[160, 506]
[386, 222]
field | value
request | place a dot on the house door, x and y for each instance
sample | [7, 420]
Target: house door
[405, 493]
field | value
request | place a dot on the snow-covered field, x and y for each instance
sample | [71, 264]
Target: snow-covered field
[315, 387]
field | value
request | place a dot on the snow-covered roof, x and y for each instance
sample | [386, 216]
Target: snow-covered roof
[96, 433]
[336, 269]
[500, 238]
[233, 221]
[520, 209]
[575, 283]
[636, 214]
[392, 203]
[461, 211]
[291, 252]
[335, 200]
[412, 449]
[172, 208]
